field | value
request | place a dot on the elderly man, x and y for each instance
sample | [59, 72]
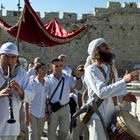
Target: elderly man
[14, 88]
[58, 93]
[31, 72]
[66, 69]
[101, 81]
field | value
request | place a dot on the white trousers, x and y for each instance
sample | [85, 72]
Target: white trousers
[61, 119]
[36, 127]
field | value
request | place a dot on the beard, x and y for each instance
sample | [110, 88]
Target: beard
[106, 57]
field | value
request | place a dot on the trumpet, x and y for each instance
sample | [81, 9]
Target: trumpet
[10, 97]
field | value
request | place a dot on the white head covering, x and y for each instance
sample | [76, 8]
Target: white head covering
[61, 55]
[93, 45]
[9, 48]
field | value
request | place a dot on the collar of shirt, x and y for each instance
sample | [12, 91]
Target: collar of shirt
[52, 76]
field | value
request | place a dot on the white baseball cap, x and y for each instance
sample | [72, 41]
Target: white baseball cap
[61, 55]
[9, 48]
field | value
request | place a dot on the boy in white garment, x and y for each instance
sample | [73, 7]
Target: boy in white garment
[38, 105]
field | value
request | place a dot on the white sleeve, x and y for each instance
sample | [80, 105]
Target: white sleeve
[72, 81]
[27, 87]
[95, 80]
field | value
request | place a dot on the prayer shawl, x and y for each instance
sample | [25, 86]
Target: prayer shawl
[30, 29]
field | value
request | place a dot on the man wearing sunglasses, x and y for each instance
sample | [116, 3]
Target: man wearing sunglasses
[59, 95]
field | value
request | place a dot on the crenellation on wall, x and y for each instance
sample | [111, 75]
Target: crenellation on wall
[12, 13]
[70, 16]
[118, 24]
[112, 8]
[52, 15]
[130, 5]
[87, 16]
[114, 5]
[100, 11]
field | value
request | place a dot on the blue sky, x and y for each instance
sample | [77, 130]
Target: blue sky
[76, 6]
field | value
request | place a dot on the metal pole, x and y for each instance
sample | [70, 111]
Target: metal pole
[19, 7]
[1, 36]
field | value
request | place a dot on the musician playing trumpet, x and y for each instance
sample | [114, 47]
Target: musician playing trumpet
[14, 87]
[103, 86]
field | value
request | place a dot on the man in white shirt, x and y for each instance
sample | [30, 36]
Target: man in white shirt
[59, 90]
[97, 76]
[12, 93]
[66, 69]
[31, 72]
[37, 107]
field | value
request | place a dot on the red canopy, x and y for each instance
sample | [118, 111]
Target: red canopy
[30, 29]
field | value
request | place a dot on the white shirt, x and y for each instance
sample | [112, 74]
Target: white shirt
[31, 73]
[67, 71]
[7, 129]
[98, 89]
[38, 104]
[53, 82]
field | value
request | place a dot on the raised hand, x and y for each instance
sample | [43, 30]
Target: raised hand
[5, 92]
[134, 75]
[16, 87]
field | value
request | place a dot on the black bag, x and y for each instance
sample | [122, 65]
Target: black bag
[55, 106]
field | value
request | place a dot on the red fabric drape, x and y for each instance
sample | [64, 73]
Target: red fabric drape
[32, 30]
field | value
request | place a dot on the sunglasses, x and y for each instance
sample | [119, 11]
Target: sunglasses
[58, 66]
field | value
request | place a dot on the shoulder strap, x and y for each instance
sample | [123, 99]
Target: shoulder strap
[62, 88]
[111, 75]
[102, 70]
[111, 78]
[55, 90]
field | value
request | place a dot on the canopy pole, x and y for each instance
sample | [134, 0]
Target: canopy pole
[20, 21]
[1, 32]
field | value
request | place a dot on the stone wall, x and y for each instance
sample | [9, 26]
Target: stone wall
[118, 24]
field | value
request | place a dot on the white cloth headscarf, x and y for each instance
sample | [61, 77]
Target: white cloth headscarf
[93, 45]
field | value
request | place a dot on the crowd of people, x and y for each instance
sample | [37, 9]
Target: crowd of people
[31, 96]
